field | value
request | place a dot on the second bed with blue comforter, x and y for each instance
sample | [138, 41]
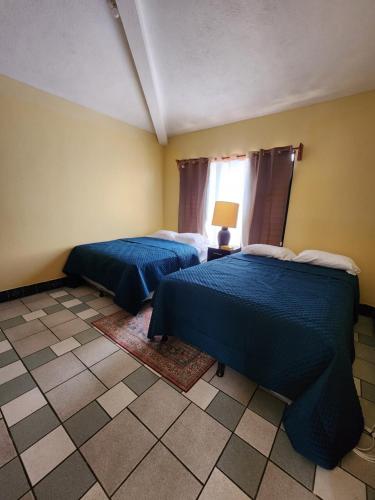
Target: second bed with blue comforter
[287, 326]
[131, 268]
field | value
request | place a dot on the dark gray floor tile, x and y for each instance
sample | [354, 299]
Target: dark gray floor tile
[32, 428]
[243, 465]
[87, 335]
[39, 358]
[292, 462]
[8, 357]
[94, 318]
[70, 480]
[87, 298]
[2, 336]
[79, 308]
[53, 309]
[9, 323]
[370, 493]
[226, 410]
[140, 380]
[86, 423]
[13, 482]
[267, 406]
[14, 388]
[368, 391]
[366, 339]
[64, 298]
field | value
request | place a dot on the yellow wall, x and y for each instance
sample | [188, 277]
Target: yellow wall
[332, 205]
[68, 175]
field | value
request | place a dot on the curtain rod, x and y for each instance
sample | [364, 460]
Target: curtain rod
[297, 149]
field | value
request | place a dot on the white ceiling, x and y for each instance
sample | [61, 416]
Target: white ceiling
[73, 49]
[201, 63]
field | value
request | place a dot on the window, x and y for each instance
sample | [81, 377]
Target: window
[229, 180]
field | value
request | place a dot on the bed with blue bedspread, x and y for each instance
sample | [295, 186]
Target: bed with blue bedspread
[287, 326]
[131, 268]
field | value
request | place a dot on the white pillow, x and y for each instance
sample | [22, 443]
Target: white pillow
[191, 239]
[281, 253]
[163, 234]
[327, 259]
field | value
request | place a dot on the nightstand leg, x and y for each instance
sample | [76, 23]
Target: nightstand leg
[164, 338]
[220, 369]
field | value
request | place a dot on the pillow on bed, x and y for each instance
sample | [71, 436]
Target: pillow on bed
[327, 259]
[163, 234]
[281, 253]
[194, 239]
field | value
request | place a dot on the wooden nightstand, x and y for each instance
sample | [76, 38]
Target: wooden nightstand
[216, 252]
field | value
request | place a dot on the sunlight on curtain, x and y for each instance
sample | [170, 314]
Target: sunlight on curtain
[229, 180]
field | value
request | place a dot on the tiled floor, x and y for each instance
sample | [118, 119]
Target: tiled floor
[81, 418]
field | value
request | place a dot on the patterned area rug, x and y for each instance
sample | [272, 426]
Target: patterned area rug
[178, 362]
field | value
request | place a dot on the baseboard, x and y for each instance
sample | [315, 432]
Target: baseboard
[23, 291]
[367, 310]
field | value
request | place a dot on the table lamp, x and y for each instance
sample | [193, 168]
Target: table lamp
[225, 215]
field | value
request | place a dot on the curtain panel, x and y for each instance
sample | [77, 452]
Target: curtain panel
[271, 173]
[193, 185]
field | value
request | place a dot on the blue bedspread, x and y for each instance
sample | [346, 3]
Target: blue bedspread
[131, 267]
[287, 326]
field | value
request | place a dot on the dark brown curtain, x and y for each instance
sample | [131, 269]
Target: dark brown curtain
[271, 174]
[193, 181]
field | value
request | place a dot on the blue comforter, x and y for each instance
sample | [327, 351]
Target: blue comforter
[287, 326]
[131, 267]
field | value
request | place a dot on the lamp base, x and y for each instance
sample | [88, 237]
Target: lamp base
[223, 236]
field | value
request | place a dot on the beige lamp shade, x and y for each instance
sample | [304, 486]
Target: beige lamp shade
[225, 214]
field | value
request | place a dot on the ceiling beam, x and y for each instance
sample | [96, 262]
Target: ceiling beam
[135, 31]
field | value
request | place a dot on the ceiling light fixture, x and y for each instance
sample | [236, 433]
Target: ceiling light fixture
[113, 6]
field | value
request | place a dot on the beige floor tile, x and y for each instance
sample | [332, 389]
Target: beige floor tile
[11, 312]
[87, 313]
[71, 303]
[159, 406]
[100, 302]
[210, 373]
[9, 372]
[368, 410]
[116, 449]
[34, 315]
[23, 406]
[58, 318]
[160, 476]
[277, 485]
[59, 293]
[5, 346]
[366, 352]
[46, 454]
[357, 384]
[115, 367]
[75, 393]
[364, 325]
[41, 303]
[34, 343]
[337, 484]
[256, 431]
[95, 351]
[95, 493]
[201, 394]
[8, 304]
[81, 291]
[23, 331]
[65, 346]
[364, 370]
[219, 487]
[235, 385]
[70, 328]
[197, 440]
[116, 399]
[35, 297]
[363, 470]
[57, 371]
[111, 309]
[7, 450]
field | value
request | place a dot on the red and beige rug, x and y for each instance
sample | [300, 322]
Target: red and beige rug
[175, 360]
